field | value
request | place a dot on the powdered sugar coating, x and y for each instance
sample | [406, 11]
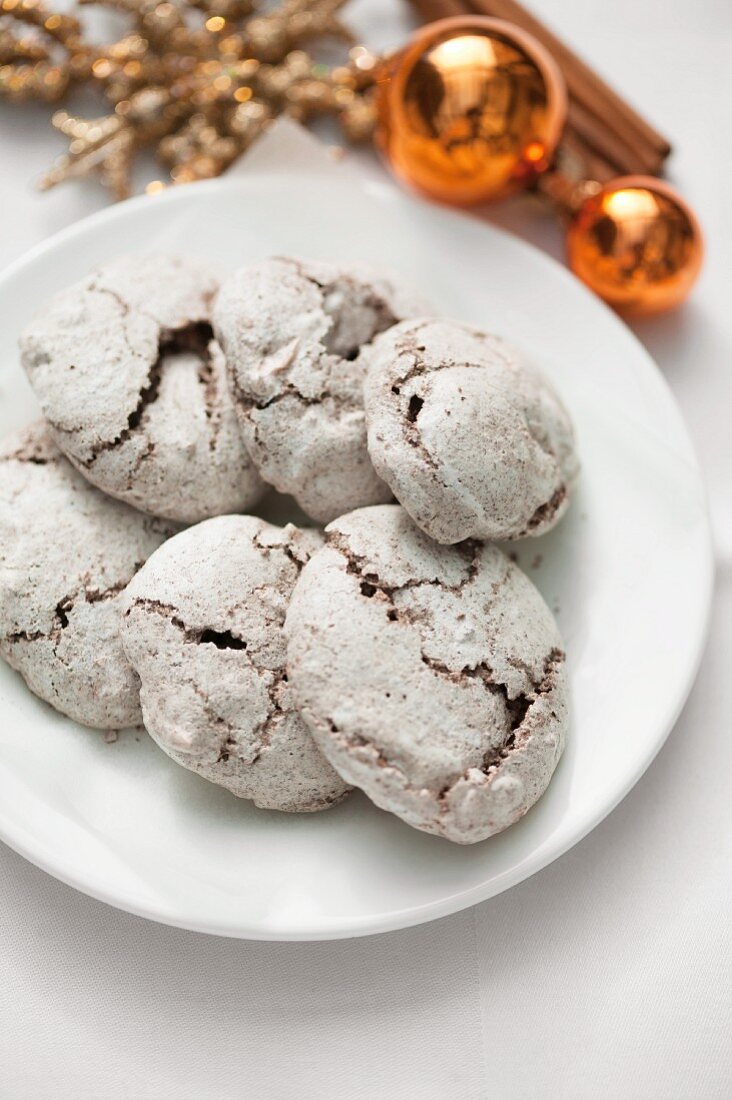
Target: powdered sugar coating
[473, 442]
[66, 553]
[133, 384]
[203, 627]
[432, 677]
[294, 333]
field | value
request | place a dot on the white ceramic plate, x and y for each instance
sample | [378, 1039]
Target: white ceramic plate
[628, 574]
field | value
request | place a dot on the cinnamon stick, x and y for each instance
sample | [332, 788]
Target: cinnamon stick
[624, 156]
[439, 9]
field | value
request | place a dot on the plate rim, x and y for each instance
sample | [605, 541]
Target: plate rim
[13, 836]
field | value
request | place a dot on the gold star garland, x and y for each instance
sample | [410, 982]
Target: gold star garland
[197, 80]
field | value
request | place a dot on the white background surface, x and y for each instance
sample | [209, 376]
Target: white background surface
[608, 974]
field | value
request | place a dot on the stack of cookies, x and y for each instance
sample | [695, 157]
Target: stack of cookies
[389, 646]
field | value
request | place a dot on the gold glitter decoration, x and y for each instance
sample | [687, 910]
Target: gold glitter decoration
[195, 80]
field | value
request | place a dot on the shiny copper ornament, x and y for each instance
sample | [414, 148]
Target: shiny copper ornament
[637, 244]
[470, 110]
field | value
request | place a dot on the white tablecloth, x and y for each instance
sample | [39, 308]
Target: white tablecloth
[605, 976]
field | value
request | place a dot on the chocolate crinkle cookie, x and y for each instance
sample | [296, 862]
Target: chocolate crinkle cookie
[294, 334]
[203, 627]
[67, 552]
[432, 677]
[473, 442]
[133, 384]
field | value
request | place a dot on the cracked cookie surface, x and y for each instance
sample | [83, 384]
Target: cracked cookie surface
[473, 442]
[66, 553]
[294, 334]
[432, 677]
[133, 384]
[203, 627]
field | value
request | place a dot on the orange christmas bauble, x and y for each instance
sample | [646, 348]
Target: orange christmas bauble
[637, 244]
[470, 110]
